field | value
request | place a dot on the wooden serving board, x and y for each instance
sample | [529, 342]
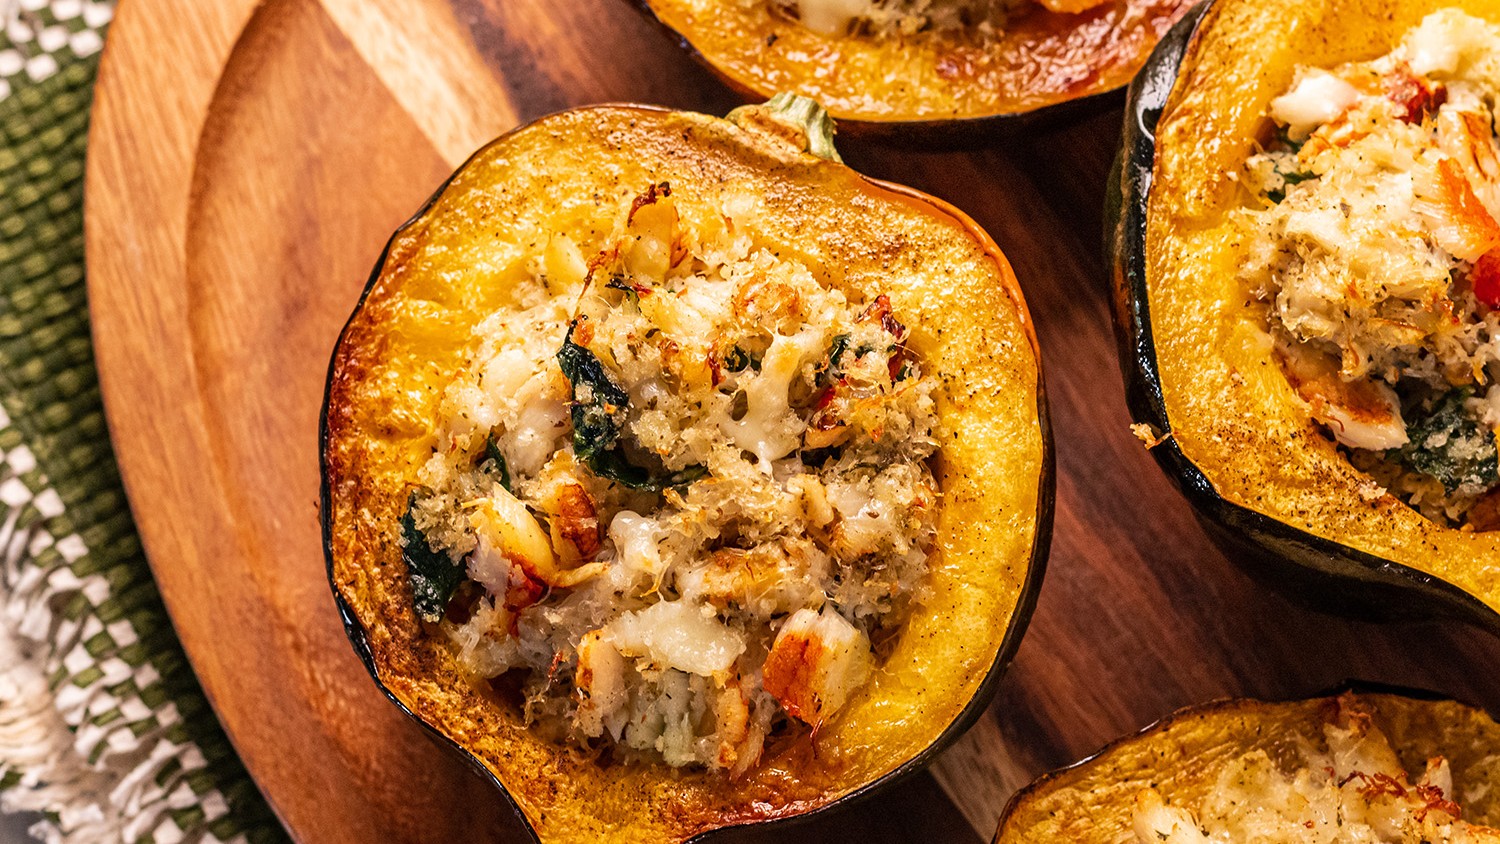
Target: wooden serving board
[248, 160]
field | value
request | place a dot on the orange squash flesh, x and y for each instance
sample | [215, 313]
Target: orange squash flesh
[1041, 59]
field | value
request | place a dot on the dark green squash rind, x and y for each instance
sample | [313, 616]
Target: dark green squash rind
[1311, 569]
[1025, 606]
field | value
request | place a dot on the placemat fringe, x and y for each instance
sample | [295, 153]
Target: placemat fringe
[36, 743]
[103, 728]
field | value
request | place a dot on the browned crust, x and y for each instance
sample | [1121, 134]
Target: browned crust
[789, 673]
[576, 522]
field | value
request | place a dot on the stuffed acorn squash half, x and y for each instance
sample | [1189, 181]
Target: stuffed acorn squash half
[1355, 767]
[682, 477]
[1307, 268]
[945, 67]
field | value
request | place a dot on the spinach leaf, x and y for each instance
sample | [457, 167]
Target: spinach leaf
[598, 416]
[836, 349]
[599, 404]
[433, 574]
[1452, 446]
[498, 466]
[1292, 177]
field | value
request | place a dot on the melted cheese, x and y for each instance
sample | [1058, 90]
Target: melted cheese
[680, 635]
[769, 428]
[833, 17]
[1317, 98]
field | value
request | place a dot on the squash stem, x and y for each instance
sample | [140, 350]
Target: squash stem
[800, 121]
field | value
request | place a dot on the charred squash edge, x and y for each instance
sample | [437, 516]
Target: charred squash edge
[1309, 568]
[1020, 615]
[1358, 687]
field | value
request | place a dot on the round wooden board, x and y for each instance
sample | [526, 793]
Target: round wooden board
[248, 160]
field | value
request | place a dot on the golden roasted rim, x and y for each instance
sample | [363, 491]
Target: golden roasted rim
[952, 287]
[1043, 59]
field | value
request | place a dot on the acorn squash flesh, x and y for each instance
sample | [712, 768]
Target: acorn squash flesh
[1221, 416]
[953, 85]
[460, 259]
[1180, 757]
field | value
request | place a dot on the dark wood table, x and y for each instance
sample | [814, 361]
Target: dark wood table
[247, 162]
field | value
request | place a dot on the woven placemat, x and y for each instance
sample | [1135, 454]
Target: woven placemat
[103, 727]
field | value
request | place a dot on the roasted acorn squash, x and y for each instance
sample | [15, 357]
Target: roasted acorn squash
[1220, 415]
[1095, 799]
[939, 86]
[455, 262]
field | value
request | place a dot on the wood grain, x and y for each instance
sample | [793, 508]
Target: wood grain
[237, 196]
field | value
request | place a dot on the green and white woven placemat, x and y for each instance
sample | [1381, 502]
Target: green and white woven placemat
[103, 728]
